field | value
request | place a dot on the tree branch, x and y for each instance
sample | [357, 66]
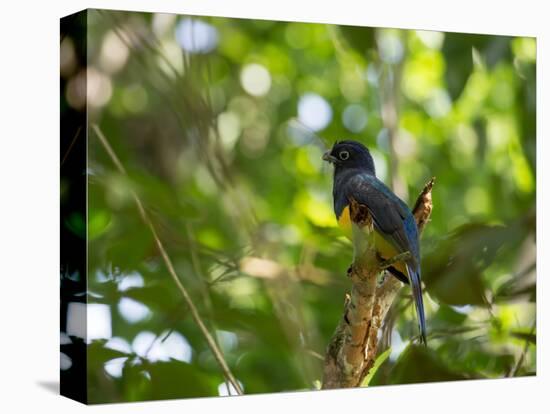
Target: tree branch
[352, 350]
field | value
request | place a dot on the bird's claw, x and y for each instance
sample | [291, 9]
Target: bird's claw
[401, 257]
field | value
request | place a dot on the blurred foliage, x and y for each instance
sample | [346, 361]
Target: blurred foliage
[221, 124]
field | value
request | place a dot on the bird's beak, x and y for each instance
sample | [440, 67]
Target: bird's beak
[329, 158]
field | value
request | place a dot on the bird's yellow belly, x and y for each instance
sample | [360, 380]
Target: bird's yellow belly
[385, 249]
[344, 221]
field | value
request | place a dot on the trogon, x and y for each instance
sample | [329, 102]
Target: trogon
[393, 223]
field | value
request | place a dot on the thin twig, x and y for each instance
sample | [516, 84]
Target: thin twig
[204, 286]
[513, 372]
[171, 270]
[71, 145]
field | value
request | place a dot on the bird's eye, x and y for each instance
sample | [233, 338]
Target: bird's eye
[343, 155]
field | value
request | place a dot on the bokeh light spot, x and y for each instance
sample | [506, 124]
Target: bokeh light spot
[229, 128]
[224, 391]
[431, 38]
[439, 104]
[99, 88]
[114, 53]
[525, 48]
[355, 118]
[119, 344]
[228, 340]
[65, 362]
[114, 367]
[380, 164]
[166, 346]
[75, 92]
[170, 59]
[314, 111]
[132, 310]
[255, 79]
[196, 36]
[64, 339]
[130, 280]
[90, 321]
[162, 22]
[390, 46]
[67, 57]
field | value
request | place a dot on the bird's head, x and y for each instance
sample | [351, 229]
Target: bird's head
[350, 154]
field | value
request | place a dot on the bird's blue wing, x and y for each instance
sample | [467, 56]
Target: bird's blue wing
[392, 217]
[395, 222]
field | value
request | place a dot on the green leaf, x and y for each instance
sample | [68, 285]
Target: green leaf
[99, 354]
[98, 222]
[521, 285]
[176, 379]
[421, 364]
[446, 316]
[380, 359]
[360, 38]
[453, 273]
[128, 249]
[157, 295]
[458, 49]
[474, 358]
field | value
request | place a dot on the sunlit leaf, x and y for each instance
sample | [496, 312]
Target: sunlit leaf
[98, 222]
[380, 359]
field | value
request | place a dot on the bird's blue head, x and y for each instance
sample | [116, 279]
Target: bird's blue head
[350, 154]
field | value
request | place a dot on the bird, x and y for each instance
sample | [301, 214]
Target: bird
[395, 230]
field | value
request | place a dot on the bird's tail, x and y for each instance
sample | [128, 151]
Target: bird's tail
[416, 285]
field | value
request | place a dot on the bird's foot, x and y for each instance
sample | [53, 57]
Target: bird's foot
[401, 257]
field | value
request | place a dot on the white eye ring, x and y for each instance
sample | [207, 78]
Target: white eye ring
[343, 155]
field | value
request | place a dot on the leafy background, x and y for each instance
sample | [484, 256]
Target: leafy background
[221, 124]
